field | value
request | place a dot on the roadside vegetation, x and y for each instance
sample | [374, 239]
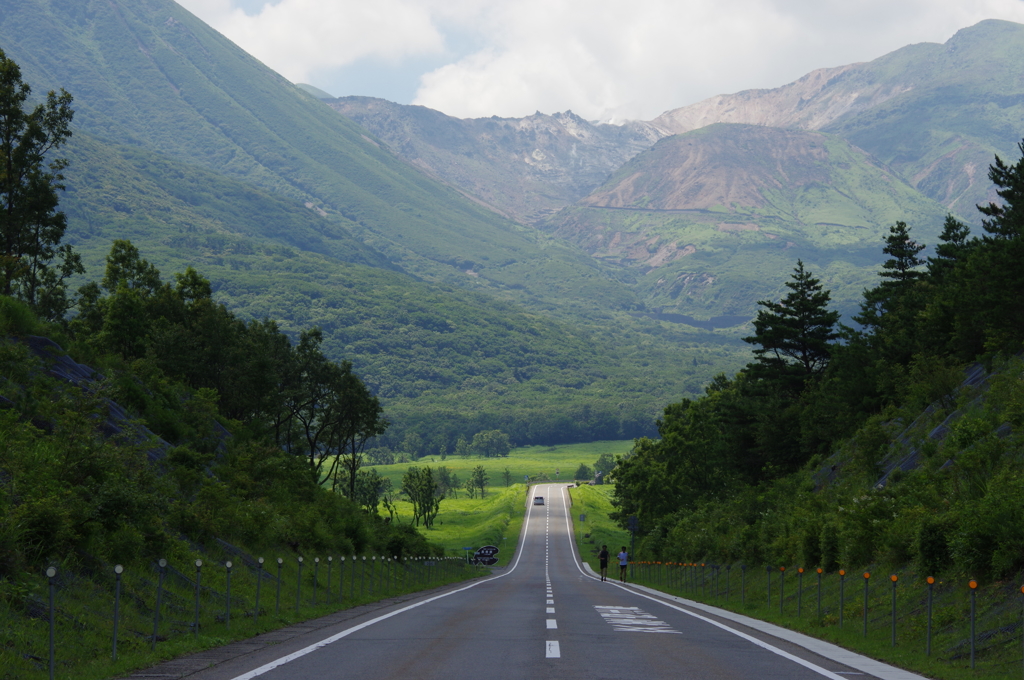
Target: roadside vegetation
[892, 448]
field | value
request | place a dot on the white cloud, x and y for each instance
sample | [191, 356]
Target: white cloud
[627, 58]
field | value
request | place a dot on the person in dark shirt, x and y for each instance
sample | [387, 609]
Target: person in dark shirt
[603, 557]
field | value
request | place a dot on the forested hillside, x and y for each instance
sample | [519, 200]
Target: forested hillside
[458, 318]
[842, 447]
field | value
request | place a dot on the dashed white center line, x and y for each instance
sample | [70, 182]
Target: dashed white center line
[552, 651]
[551, 610]
[550, 602]
[552, 624]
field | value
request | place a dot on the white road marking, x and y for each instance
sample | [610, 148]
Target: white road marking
[634, 620]
[552, 624]
[550, 602]
[764, 645]
[552, 650]
[551, 610]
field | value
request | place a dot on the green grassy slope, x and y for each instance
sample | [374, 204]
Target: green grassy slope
[150, 74]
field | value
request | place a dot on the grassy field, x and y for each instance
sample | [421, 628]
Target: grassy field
[594, 502]
[496, 518]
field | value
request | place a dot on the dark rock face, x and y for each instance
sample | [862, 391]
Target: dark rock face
[526, 168]
[118, 423]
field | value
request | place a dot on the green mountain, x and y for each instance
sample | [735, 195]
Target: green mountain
[714, 220]
[934, 113]
[149, 74]
[203, 157]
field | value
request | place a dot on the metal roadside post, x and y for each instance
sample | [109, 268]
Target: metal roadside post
[799, 590]
[352, 581]
[162, 564]
[728, 580]
[743, 584]
[298, 586]
[867, 577]
[316, 576]
[51, 572]
[330, 563]
[199, 573]
[373, 568]
[842, 594]
[819, 570]
[362, 577]
[259, 583]
[928, 638]
[117, 604]
[341, 579]
[227, 614]
[974, 588]
[782, 590]
[632, 524]
[893, 578]
[277, 608]
[768, 572]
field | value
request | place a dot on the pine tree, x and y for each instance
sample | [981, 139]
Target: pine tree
[794, 334]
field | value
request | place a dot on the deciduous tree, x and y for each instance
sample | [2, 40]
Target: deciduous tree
[33, 264]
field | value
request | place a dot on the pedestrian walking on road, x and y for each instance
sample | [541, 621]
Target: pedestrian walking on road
[603, 557]
[623, 563]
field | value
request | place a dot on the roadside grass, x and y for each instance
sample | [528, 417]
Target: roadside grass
[595, 502]
[998, 606]
[495, 519]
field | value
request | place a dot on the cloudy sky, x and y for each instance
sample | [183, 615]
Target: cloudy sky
[604, 59]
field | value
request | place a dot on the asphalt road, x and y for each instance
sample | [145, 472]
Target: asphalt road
[543, 617]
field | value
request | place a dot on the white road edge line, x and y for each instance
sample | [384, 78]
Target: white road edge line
[749, 638]
[348, 631]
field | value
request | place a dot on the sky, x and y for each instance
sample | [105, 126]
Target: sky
[607, 60]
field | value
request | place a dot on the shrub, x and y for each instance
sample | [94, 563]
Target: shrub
[933, 546]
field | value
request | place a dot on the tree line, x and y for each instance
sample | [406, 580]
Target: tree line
[783, 459]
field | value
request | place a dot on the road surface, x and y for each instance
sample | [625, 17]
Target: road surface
[544, 616]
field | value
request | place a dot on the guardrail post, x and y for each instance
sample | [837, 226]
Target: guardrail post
[316, 576]
[928, 642]
[799, 590]
[117, 604]
[259, 583]
[277, 609]
[974, 587]
[782, 590]
[51, 572]
[867, 577]
[893, 578]
[842, 595]
[330, 563]
[819, 570]
[227, 614]
[298, 586]
[159, 596]
[199, 573]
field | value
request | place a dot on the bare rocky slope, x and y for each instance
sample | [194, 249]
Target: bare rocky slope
[525, 168]
[935, 113]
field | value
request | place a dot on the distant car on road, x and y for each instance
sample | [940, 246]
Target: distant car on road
[538, 500]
